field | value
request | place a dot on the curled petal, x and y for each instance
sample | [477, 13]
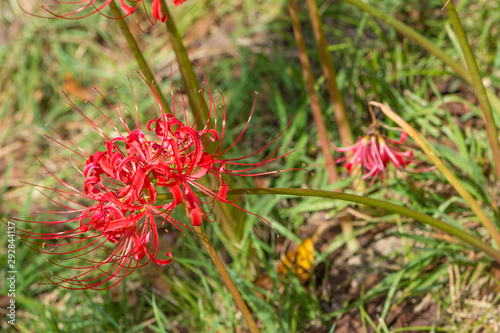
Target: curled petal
[156, 12]
[178, 2]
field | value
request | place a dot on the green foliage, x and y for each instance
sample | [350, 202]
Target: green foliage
[373, 63]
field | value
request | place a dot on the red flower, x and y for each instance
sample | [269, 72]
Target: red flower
[194, 161]
[85, 8]
[123, 211]
[116, 207]
[373, 153]
[178, 2]
[156, 12]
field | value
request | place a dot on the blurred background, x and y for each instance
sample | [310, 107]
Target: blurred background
[405, 277]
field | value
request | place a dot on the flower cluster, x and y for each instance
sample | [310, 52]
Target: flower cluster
[373, 153]
[117, 203]
[85, 8]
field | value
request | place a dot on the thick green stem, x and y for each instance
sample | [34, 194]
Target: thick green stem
[477, 83]
[424, 43]
[313, 98]
[139, 57]
[423, 218]
[485, 220]
[227, 280]
[426, 219]
[191, 84]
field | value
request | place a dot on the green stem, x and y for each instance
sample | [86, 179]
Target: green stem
[331, 76]
[313, 98]
[227, 280]
[424, 43]
[339, 109]
[423, 218]
[426, 219]
[344, 128]
[191, 84]
[485, 220]
[139, 57]
[477, 83]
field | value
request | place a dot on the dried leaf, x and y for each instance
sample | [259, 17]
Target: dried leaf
[74, 89]
[300, 261]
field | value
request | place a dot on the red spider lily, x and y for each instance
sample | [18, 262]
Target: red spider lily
[85, 8]
[194, 161]
[124, 211]
[373, 153]
[116, 205]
